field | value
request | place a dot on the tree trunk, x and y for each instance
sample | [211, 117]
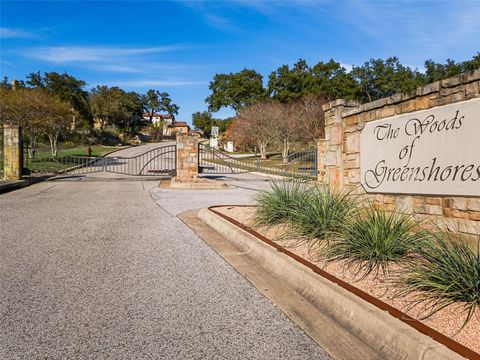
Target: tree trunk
[33, 147]
[74, 123]
[262, 147]
[53, 143]
[285, 150]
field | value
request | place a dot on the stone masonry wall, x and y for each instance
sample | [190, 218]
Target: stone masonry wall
[187, 156]
[339, 152]
[12, 153]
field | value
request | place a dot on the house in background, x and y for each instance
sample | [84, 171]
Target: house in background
[176, 127]
[166, 119]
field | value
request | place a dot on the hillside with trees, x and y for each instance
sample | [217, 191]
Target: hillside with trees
[53, 107]
[286, 108]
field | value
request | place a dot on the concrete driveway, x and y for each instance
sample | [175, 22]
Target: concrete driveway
[98, 268]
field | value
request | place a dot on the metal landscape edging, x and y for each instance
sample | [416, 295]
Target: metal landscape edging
[400, 315]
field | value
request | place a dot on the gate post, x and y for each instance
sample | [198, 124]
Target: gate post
[187, 156]
[12, 152]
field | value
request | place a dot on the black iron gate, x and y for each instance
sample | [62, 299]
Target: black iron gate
[160, 161]
[302, 164]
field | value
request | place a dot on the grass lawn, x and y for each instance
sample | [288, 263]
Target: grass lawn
[65, 158]
[275, 166]
[43, 150]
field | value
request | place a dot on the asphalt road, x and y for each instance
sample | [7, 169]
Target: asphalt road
[97, 268]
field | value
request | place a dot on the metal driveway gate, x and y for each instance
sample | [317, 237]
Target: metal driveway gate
[160, 161]
[302, 164]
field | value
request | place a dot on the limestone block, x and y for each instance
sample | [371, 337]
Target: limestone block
[353, 143]
[384, 112]
[405, 204]
[473, 204]
[459, 203]
[433, 201]
[472, 90]
[471, 76]
[452, 81]
[330, 158]
[459, 214]
[336, 179]
[336, 135]
[450, 91]
[434, 210]
[405, 107]
[428, 89]
[389, 199]
[474, 215]
[354, 176]
[422, 103]
[351, 120]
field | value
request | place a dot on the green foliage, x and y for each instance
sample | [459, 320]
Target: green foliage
[322, 213]
[333, 82]
[373, 239]
[68, 88]
[204, 121]
[235, 90]
[310, 211]
[448, 272]
[328, 80]
[154, 101]
[115, 106]
[287, 84]
[437, 71]
[380, 78]
[275, 206]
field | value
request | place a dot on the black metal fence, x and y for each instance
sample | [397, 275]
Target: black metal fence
[302, 164]
[160, 161]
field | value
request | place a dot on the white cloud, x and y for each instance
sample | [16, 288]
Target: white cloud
[9, 33]
[347, 67]
[72, 54]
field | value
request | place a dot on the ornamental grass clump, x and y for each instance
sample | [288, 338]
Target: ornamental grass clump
[323, 213]
[275, 206]
[448, 272]
[373, 239]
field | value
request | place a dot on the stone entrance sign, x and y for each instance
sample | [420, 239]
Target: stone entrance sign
[434, 152]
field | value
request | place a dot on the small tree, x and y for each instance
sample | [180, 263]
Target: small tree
[235, 90]
[101, 106]
[52, 115]
[311, 125]
[257, 123]
[288, 125]
[154, 101]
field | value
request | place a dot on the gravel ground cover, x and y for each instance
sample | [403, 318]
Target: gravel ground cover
[102, 269]
[448, 321]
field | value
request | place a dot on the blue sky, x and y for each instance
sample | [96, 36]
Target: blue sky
[178, 46]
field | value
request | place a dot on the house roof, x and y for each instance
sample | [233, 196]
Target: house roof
[181, 124]
[163, 116]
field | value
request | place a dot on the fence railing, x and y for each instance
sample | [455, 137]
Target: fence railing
[298, 164]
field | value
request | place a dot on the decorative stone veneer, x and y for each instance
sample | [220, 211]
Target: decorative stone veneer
[187, 156]
[339, 152]
[12, 153]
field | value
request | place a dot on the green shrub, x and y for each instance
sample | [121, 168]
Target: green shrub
[275, 206]
[323, 212]
[372, 239]
[448, 273]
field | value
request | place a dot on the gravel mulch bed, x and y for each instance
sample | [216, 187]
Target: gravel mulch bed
[447, 321]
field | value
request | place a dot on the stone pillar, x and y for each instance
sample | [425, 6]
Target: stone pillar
[187, 156]
[12, 153]
[331, 149]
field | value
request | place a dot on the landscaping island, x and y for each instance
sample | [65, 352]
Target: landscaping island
[389, 272]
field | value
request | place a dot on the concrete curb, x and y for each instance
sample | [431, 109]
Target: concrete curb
[176, 185]
[20, 184]
[390, 337]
